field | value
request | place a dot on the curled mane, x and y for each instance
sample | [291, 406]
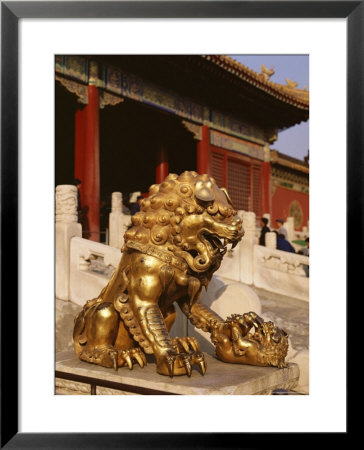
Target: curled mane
[168, 203]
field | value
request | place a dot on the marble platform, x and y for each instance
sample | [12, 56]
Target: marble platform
[75, 377]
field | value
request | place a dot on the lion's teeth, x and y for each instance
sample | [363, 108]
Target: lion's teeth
[216, 242]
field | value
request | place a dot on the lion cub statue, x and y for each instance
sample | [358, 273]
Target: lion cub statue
[175, 244]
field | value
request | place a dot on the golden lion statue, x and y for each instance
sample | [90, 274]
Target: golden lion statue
[175, 244]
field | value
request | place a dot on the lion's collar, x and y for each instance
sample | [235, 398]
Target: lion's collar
[162, 255]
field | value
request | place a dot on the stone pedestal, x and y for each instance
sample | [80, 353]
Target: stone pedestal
[66, 228]
[77, 377]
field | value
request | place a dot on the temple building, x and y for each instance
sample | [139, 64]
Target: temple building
[290, 188]
[124, 122]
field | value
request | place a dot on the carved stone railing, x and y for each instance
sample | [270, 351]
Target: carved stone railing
[266, 267]
[281, 272]
[118, 222]
[91, 266]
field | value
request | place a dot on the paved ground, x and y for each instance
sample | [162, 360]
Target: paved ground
[293, 316]
[288, 313]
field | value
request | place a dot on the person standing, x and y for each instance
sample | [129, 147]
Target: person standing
[265, 229]
[281, 229]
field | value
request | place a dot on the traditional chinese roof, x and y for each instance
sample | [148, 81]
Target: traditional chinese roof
[246, 92]
[285, 93]
[288, 161]
[201, 88]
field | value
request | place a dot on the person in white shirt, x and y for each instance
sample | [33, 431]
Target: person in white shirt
[281, 229]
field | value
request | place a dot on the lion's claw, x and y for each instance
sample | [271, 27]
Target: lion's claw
[170, 359]
[180, 363]
[126, 357]
[245, 321]
[252, 318]
[200, 361]
[188, 353]
[184, 344]
[193, 343]
[108, 356]
[187, 364]
[114, 357]
[187, 344]
[140, 358]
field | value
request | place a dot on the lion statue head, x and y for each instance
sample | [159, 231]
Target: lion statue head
[190, 216]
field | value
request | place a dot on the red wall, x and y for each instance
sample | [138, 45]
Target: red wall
[281, 200]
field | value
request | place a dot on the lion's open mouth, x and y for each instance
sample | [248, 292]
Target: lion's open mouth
[217, 245]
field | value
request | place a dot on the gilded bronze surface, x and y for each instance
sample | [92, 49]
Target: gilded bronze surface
[175, 244]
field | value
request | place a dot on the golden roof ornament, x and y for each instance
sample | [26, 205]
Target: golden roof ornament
[267, 73]
[291, 84]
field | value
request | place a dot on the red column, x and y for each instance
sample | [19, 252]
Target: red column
[162, 167]
[203, 151]
[267, 197]
[87, 162]
[79, 145]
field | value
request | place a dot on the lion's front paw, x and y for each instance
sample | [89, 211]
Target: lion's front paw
[245, 321]
[108, 356]
[173, 363]
[187, 344]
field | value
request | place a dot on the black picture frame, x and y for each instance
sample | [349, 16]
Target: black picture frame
[11, 12]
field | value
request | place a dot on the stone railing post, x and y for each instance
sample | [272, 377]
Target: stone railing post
[290, 228]
[115, 219]
[66, 228]
[118, 221]
[271, 240]
[247, 248]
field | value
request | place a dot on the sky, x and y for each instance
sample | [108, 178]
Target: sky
[295, 140]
